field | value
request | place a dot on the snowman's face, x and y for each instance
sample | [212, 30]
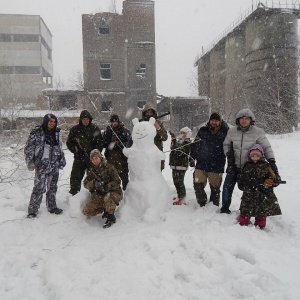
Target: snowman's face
[143, 131]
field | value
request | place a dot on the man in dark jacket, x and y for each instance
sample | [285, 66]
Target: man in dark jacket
[82, 139]
[44, 154]
[207, 150]
[161, 132]
[115, 138]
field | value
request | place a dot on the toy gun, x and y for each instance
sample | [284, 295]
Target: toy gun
[86, 156]
[271, 182]
[147, 118]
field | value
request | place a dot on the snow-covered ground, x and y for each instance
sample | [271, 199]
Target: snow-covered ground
[195, 253]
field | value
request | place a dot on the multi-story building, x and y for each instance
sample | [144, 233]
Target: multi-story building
[119, 59]
[25, 59]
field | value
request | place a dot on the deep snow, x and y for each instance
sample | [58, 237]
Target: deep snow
[195, 253]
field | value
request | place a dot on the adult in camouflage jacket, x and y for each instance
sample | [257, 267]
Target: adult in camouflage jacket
[161, 133]
[82, 139]
[115, 138]
[179, 161]
[44, 154]
[207, 150]
[256, 181]
[104, 183]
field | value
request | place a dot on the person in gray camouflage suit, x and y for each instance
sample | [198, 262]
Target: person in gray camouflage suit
[44, 154]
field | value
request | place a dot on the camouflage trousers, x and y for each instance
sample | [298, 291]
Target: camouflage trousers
[100, 203]
[41, 182]
[178, 180]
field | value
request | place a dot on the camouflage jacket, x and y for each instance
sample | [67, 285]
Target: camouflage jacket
[105, 173]
[179, 156]
[89, 137]
[257, 199]
[41, 156]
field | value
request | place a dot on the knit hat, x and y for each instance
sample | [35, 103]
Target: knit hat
[256, 149]
[187, 130]
[114, 118]
[95, 152]
[215, 116]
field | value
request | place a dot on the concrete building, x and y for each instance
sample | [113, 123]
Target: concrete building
[255, 65]
[119, 59]
[25, 59]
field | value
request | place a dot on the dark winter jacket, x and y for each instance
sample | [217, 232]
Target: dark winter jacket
[107, 174]
[115, 140]
[207, 149]
[43, 150]
[179, 159]
[258, 198]
[89, 137]
[161, 134]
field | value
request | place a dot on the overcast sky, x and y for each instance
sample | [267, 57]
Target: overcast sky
[182, 28]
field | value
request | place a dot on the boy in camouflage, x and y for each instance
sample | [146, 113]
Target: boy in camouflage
[104, 183]
[179, 161]
[256, 181]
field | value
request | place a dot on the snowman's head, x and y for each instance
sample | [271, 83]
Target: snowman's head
[143, 133]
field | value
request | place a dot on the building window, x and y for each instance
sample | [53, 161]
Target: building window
[105, 73]
[6, 70]
[140, 104]
[26, 38]
[5, 37]
[104, 30]
[27, 70]
[141, 71]
[106, 106]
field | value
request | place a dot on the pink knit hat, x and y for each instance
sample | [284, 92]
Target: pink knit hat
[256, 149]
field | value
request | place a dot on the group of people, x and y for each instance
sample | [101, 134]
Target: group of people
[250, 162]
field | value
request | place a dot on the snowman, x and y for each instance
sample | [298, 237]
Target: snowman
[147, 195]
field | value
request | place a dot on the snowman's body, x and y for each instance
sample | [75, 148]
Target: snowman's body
[147, 194]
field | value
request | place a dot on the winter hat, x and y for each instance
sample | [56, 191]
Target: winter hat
[149, 106]
[187, 130]
[215, 116]
[245, 112]
[95, 152]
[46, 119]
[114, 118]
[257, 149]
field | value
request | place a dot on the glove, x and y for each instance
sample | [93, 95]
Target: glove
[264, 188]
[101, 187]
[230, 169]
[273, 165]
[192, 163]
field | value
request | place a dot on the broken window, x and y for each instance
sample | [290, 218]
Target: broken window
[141, 70]
[104, 30]
[106, 106]
[5, 37]
[105, 73]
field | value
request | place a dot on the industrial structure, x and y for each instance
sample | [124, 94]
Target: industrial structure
[119, 59]
[254, 64]
[25, 59]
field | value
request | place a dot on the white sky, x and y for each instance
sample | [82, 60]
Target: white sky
[182, 28]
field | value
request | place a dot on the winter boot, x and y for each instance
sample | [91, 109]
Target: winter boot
[261, 222]
[200, 193]
[31, 216]
[215, 196]
[56, 211]
[105, 215]
[180, 201]
[244, 220]
[111, 219]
